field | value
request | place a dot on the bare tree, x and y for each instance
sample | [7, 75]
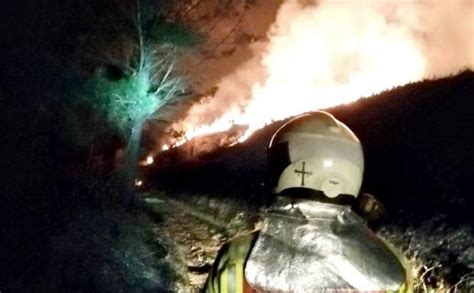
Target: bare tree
[136, 76]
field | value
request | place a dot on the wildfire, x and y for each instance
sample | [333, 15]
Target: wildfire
[138, 182]
[329, 54]
[149, 160]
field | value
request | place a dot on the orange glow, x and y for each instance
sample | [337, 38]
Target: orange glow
[221, 124]
[318, 57]
[148, 161]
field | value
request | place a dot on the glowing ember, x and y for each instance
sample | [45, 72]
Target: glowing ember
[222, 124]
[333, 53]
[138, 182]
[165, 147]
[149, 160]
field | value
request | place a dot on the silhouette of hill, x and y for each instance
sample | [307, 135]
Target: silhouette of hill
[417, 142]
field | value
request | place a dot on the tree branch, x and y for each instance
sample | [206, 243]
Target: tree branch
[140, 36]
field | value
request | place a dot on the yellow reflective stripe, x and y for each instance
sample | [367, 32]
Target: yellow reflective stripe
[231, 278]
[223, 283]
[227, 275]
[402, 288]
[407, 286]
[239, 277]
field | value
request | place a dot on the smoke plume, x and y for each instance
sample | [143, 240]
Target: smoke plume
[321, 54]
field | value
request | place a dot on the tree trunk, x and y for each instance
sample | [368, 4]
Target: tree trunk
[131, 162]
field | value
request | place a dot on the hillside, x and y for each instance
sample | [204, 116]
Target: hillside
[418, 147]
[416, 138]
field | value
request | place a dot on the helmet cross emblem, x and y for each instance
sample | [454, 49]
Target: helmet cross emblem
[303, 173]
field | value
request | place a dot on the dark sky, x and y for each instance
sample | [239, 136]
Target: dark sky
[51, 26]
[26, 21]
[38, 35]
[33, 30]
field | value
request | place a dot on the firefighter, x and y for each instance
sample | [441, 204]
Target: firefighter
[311, 240]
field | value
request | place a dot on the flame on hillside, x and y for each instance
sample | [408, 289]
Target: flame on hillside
[333, 52]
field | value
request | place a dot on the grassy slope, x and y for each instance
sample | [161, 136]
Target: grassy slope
[418, 146]
[417, 142]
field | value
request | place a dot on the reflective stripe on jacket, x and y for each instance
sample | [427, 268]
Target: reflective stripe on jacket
[227, 274]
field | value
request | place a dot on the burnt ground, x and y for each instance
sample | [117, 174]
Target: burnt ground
[418, 146]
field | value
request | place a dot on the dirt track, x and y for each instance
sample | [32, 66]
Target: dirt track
[194, 233]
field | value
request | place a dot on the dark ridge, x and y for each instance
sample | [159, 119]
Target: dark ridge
[417, 141]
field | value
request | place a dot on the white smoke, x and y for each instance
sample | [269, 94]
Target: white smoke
[233, 90]
[445, 32]
[331, 52]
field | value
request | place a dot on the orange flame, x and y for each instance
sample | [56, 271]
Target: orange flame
[149, 160]
[322, 56]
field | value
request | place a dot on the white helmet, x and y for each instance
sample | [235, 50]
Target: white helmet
[317, 152]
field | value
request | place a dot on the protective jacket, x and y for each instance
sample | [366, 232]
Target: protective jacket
[309, 246]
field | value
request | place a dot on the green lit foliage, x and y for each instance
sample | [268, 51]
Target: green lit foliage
[133, 54]
[133, 50]
[130, 100]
